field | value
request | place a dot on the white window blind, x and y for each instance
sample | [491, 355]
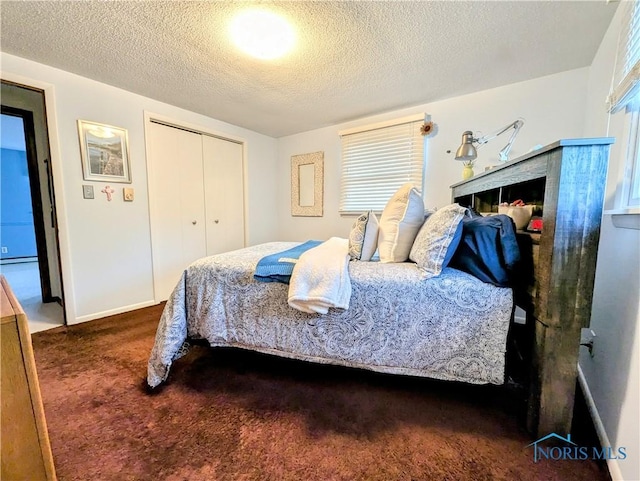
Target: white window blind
[626, 79]
[376, 162]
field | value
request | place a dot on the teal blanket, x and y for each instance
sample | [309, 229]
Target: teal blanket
[279, 266]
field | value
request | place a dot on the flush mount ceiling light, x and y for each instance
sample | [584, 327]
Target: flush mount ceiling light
[262, 34]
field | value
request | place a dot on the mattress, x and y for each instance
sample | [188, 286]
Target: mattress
[451, 327]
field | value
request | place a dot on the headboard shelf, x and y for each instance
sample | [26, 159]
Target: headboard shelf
[530, 192]
[565, 180]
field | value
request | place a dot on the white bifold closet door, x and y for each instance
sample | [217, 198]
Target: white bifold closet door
[196, 197]
[223, 194]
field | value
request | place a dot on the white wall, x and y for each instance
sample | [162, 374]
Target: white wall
[553, 108]
[106, 246]
[613, 374]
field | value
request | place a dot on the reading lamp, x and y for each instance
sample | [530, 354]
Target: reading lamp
[468, 151]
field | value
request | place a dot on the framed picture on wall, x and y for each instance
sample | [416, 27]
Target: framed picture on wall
[104, 150]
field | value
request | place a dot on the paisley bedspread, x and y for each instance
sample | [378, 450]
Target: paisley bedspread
[451, 327]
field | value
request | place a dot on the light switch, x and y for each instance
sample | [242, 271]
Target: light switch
[127, 193]
[87, 191]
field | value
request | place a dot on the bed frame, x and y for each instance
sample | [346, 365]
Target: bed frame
[566, 181]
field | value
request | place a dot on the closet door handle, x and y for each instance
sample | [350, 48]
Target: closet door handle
[216, 221]
[194, 222]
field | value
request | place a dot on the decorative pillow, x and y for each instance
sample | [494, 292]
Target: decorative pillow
[438, 239]
[363, 238]
[400, 221]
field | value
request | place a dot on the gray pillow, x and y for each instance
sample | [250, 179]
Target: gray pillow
[363, 238]
[437, 239]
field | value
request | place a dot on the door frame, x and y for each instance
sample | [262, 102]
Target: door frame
[64, 249]
[36, 196]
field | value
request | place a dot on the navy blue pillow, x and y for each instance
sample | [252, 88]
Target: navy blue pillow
[488, 249]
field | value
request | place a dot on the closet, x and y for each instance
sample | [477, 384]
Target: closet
[196, 199]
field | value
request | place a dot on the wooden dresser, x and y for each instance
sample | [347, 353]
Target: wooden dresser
[566, 182]
[26, 452]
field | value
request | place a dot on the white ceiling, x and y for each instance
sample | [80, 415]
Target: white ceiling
[353, 59]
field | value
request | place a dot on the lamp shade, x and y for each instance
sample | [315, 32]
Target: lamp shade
[467, 150]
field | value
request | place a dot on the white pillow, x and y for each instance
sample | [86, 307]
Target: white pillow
[363, 238]
[400, 221]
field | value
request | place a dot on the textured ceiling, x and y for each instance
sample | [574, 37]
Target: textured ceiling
[353, 59]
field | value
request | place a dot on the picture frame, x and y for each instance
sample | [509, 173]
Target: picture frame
[104, 151]
[307, 184]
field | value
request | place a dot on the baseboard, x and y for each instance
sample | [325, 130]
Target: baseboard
[18, 260]
[112, 312]
[612, 464]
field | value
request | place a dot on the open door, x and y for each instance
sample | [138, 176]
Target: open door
[23, 224]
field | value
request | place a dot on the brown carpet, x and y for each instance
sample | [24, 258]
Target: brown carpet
[233, 415]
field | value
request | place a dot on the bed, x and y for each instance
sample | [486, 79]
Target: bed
[449, 327]
[460, 337]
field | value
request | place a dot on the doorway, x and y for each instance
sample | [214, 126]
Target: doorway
[29, 255]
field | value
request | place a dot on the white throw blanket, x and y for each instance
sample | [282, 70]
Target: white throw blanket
[320, 278]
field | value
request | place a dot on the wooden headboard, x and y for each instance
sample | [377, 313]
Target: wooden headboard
[566, 182]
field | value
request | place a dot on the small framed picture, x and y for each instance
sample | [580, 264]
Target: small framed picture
[104, 150]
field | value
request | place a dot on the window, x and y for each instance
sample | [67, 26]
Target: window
[377, 160]
[632, 176]
[625, 94]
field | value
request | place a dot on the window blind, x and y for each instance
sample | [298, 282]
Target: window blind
[626, 79]
[375, 163]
